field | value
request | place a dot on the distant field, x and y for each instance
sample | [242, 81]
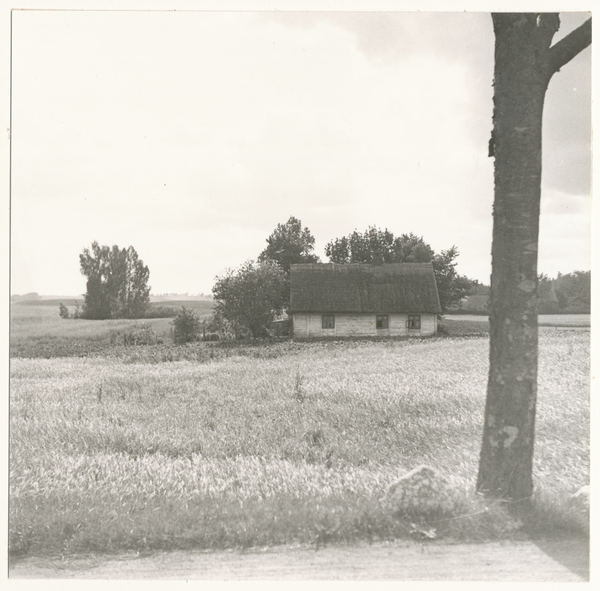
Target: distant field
[47, 302]
[276, 443]
[70, 302]
[566, 320]
[37, 330]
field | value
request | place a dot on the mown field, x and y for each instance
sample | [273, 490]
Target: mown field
[220, 446]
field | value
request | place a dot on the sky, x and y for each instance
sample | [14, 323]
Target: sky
[191, 135]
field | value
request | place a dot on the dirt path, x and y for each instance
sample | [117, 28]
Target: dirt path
[522, 561]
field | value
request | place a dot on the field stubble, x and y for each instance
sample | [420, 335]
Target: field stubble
[110, 454]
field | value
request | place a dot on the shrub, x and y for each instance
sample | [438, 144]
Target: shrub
[63, 311]
[186, 326]
[142, 335]
[442, 330]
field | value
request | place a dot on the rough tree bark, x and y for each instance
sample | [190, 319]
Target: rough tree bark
[524, 64]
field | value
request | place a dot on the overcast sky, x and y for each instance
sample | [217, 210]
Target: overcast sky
[191, 135]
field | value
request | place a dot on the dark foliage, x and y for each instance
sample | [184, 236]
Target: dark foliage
[289, 244]
[186, 326]
[378, 247]
[573, 291]
[117, 284]
[248, 299]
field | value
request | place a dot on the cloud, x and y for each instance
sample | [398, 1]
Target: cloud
[567, 128]
[191, 136]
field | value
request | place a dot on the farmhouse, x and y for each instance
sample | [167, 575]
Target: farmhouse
[331, 299]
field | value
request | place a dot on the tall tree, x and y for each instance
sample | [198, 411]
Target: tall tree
[134, 292]
[289, 244]
[524, 64]
[117, 284]
[378, 247]
[95, 266]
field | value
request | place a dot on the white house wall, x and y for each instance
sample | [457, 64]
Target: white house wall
[346, 325]
[428, 324]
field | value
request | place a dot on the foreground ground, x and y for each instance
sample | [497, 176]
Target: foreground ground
[557, 561]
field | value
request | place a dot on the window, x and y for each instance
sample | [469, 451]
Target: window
[328, 321]
[382, 322]
[414, 321]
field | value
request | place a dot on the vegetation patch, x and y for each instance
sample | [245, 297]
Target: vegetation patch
[455, 327]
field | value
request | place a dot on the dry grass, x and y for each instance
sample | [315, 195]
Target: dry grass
[295, 446]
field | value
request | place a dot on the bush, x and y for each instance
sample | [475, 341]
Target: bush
[249, 298]
[143, 335]
[63, 311]
[186, 326]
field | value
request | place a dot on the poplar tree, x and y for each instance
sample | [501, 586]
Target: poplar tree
[117, 283]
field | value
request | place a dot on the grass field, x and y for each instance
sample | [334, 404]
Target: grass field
[555, 320]
[37, 330]
[565, 320]
[264, 444]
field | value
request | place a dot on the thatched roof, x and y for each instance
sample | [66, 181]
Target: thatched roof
[375, 289]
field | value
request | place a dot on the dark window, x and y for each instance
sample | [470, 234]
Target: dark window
[382, 322]
[328, 321]
[414, 321]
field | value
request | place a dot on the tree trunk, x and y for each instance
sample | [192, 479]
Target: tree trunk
[524, 64]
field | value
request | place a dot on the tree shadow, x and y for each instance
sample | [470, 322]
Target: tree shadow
[573, 554]
[565, 543]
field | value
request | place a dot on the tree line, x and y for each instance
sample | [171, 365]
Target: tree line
[570, 292]
[249, 298]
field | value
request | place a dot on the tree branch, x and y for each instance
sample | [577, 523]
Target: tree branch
[566, 49]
